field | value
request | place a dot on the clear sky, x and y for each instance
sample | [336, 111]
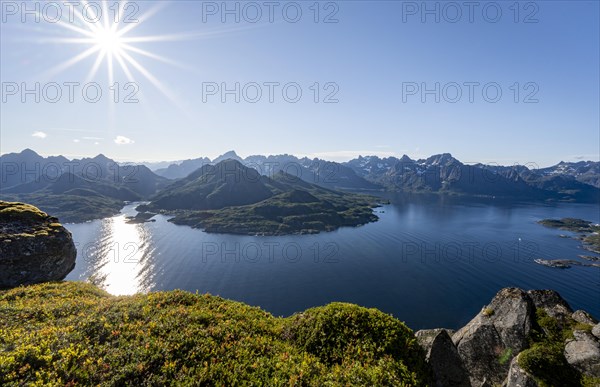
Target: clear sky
[376, 60]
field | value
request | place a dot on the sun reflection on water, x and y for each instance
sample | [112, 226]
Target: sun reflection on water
[121, 258]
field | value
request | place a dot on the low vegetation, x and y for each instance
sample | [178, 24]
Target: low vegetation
[545, 358]
[21, 220]
[75, 334]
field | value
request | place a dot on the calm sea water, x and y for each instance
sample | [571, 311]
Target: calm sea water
[431, 262]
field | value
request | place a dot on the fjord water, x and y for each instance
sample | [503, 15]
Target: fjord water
[431, 262]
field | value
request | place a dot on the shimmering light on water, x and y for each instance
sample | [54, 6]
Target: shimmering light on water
[118, 259]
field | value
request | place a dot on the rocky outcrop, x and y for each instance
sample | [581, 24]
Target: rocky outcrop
[499, 332]
[596, 330]
[442, 355]
[553, 304]
[583, 353]
[518, 377]
[521, 339]
[583, 317]
[34, 247]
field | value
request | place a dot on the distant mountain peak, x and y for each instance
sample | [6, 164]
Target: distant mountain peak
[101, 158]
[228, 155]
[28, 152]
[443, 158]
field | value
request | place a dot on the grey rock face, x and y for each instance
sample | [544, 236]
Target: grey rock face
[583, 353]
[584, 317]
[443, 357]
[596, 331]
[518, 377]
[499, 332]
[554, 305]
[34, 247]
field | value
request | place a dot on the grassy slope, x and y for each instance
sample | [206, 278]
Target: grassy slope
[73, 333]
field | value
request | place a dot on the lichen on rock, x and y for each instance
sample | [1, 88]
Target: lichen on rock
[34, 247]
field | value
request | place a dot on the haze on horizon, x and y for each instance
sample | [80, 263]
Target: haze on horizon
[364, 59]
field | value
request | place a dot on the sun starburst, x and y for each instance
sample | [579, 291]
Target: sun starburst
[108, 38]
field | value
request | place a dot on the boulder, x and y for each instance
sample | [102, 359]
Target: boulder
[583, 353]
[518, 377]
[34, 247]
[499, 332]
[554, 305]
[442, 356]
[584, 317]
[596, 330]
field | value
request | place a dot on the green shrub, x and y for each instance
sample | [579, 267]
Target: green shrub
[545, 358]
[548, 364]
[73, 333]
[343, 334]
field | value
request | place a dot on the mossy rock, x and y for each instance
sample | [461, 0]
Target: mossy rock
[15, 211]
[545, 359]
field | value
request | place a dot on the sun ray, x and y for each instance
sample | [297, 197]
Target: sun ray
[155, 82]
[108, 39]
[65, 65]
[105, 14]
[151, 55]
[91, 26]
[109, 57]
[67, 40]
[188, 36]
[75, 28]
[95, 67]
[151, 12]
[125, 68]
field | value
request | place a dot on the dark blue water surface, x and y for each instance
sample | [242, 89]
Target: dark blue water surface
[431, 262]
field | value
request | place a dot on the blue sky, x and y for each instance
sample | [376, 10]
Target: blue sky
[371, 58]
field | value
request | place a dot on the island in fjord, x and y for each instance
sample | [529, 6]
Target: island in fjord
[585, 231]
[231, 198]
[588, 232]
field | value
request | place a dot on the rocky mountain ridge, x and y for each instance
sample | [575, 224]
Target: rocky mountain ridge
[522, 338]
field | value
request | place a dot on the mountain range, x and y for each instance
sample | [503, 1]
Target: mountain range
[90, 188]
[445, 174]
[75, 190]
[440, 173]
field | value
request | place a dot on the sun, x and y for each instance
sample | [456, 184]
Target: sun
[108, 41]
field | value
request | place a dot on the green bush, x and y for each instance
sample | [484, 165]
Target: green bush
[548, 364]
[75, 334]
[343, 334]
[545, 358]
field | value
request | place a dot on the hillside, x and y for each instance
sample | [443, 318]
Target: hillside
[75, 190]
[77, 334]
[231, 198]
